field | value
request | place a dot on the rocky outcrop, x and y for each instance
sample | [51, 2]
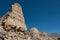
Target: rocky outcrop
[13, 27]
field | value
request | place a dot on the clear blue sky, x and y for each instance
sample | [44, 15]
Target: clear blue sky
[42, 14]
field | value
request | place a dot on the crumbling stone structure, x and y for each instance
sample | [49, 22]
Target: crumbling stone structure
[13, 27]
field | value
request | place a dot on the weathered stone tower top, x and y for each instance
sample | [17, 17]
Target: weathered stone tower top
[14, 18]
[16, 8]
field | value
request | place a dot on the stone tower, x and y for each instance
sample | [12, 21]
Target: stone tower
[14, 19]
[13, 27]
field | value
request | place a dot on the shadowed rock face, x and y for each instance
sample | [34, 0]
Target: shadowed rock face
[13, 27]
[58, 38]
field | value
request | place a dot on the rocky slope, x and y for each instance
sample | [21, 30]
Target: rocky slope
[12, 27]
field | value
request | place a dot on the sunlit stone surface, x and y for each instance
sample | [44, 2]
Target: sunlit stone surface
[13, 27]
